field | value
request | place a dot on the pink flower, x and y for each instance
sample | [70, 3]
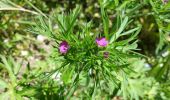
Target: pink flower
[63, 48]
[106, 54]
[102, 42]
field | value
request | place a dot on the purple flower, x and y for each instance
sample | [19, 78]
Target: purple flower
[165, 1]
[101, 42]
[106, 54]
[63, 48]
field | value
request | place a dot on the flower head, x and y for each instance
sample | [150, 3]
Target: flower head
[106, 54]
[101, 42]
[165, 1]
[63, 48]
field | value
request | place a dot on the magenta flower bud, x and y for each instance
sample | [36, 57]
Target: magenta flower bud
[63, 48]
[165, 1]
[106, 54]
[101, 42]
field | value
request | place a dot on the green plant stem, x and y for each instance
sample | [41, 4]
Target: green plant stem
[144, 14]
[18, 9]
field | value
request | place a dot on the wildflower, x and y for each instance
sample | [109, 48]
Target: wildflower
[102, 42]
[165, 1]
[63, 48]
[106, 54]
